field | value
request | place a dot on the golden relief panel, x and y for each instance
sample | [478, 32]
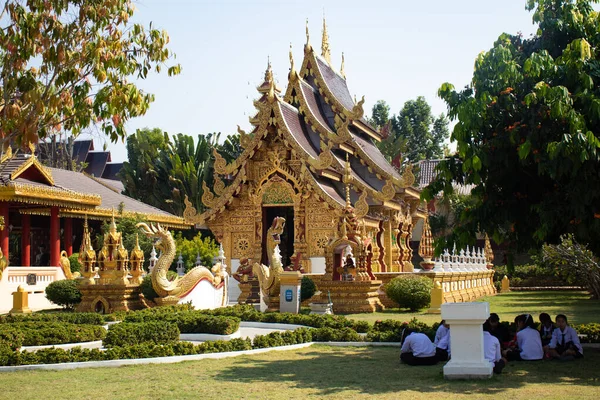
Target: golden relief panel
[318, 241]
[241, 245]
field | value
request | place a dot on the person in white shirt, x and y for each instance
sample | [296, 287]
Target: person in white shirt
[442, 349]
[491, 349]
[417, 349]
[529, 343]
[442, 330]
[565, 343]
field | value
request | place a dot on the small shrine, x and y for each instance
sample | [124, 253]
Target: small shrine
[110, 278]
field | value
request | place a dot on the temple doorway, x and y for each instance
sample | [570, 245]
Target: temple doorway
[287, 237]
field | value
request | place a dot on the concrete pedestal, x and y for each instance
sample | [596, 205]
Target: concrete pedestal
[289, 294]
[466, 320]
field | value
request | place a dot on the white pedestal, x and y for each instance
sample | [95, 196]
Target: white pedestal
[466, 320]
[289, 295]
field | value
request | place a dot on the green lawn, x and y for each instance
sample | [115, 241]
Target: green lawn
[576, 305]
[316, 372]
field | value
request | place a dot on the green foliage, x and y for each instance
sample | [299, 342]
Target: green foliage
[63, 293]
[530, 276]
[130, 333]
[69, 65]
[307, 288]
[162, 170]
[187, 320]
[591, 332]
[206, 247]
[391, 330]
[75, 265]
[68, 317]
[574, 262]
[526, 133]
[45, 333]
[412, 292]
[415, 134]
[146, 286]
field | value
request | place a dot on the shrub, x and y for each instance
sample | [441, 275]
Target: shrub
[335, 335]
[70, 317]
[189, 249]
[391, 330]
[412, 292]
[148, 290]
[592, 332]
[528, 275]
[46, 333]
[307, 288]
[128, 334]
[63, 293]
[187, 320]
[74, 260]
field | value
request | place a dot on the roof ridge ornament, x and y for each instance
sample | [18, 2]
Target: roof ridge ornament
[268, 71]
[293, 73]
[325, 50]
[307, 46]
[342, 72]
[347, 182]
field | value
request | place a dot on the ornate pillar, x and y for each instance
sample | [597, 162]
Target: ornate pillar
[69, 236]
[375, 265]
[26, 240]
[54, 237]
[300, 236]
[5, 230]
[380, 240]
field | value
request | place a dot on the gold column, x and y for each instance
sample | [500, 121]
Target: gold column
[300, 236]
[375, 265]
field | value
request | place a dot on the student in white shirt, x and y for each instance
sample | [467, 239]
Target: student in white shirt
[442, 347]
[417, 349]
[442, 330]
[529, 343]
[565, 343]
[491, 349]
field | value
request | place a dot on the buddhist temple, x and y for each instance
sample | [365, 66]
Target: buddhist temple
[312, 158]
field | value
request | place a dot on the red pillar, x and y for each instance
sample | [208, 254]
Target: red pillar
[54, 237]
[4, 232]
[25, 240]
[69, 236]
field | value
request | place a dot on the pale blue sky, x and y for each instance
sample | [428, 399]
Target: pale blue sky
[394, 50]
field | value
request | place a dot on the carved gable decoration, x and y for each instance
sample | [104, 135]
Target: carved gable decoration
[278, 191]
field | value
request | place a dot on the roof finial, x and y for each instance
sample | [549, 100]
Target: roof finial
[342, 72]
[307, 34]
[271, 93]
[113, 225]
[325, 43]
[269, 71]
[293, 72]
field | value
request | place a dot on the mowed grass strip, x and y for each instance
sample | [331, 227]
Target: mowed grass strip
[577, 305]
[319, 371]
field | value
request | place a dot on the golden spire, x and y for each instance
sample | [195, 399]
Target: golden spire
[137, 242]
[325, 44]
[113, 225]
[307, 34]
[269, 71]
[271, 94]
[293, 73]
[342, 72]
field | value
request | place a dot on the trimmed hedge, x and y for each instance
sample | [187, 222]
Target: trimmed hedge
[64, 293]
[412, 292]
[529, 275]
[46, 333]
[70, 317]
[391, 330]
[131, 333]
[188, 321]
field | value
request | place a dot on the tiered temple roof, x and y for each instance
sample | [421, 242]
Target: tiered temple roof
[320, 121]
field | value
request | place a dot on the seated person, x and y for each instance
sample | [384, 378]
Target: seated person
[491, 349]
[417, 349]
[565, 343]
[529, 344]
[498, 330]
[442, 330]
[546, 328]
[442, 349]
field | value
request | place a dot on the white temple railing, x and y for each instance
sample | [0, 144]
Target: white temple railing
[461, 261]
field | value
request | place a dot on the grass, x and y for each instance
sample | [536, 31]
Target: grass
[315, 372]
[578, 307]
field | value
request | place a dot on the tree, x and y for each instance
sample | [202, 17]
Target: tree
[413, 135]
[66, 64]
[57, 152]
[526, 133]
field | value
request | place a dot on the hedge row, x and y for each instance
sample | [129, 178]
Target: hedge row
[73, 318]
[45, 333]
[149, 349]
[529, 275]
[188, 321]
[132, 333]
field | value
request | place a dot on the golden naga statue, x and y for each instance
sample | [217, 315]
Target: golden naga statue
[268, 277]
[65, 265]
[170, 292]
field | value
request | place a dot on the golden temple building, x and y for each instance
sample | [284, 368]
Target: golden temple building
[308, 144]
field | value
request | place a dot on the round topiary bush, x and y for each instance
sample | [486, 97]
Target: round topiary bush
[148, 290]
[307, 288]
[75, 265]
[64, 293]
[412, 292]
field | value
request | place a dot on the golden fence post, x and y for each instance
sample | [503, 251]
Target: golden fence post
[20, 301]
[437, 298]
[505, 284]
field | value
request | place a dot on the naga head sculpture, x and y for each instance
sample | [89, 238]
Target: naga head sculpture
[161, 235]
[276, 229]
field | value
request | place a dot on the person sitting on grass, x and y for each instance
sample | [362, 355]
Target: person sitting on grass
[546, 328]
[442, 347]
[499, 330]
[529, 344]
[442, 330]
[491, 349]
[565, 344]
[417, 349]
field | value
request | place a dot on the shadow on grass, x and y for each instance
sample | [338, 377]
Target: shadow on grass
[378, 371]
